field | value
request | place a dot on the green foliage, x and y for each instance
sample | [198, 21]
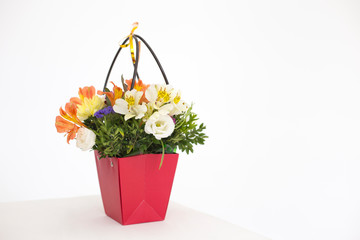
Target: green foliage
[116, 137]
[187, 132]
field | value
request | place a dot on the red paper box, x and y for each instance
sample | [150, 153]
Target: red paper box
[134, 189]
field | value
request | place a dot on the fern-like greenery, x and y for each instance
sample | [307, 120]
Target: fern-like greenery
[116, 137]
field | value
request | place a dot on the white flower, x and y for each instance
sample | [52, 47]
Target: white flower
[159, 95]
[161, 126]
[130, 105]
[165, 109]
[178, 105]
[85, 139]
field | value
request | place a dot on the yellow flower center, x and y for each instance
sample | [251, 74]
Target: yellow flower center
[165, 96]
[130, 100]
[177, 99]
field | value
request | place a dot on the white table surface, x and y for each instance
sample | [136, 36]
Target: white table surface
[84, 218]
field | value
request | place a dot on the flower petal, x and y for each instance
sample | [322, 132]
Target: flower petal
[75, 100]
[151, 93]
[86, 92]
[110, 95]
[62, 125]
[165, 109]
[139, 111]
[117, 92]
[128, 116]
[71, 109]
[72, 134]
[137, 96]
[121, 106]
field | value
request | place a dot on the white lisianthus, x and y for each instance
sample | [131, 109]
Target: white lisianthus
[161, 126]
[130, 106]
[159, 94]
[85, 139]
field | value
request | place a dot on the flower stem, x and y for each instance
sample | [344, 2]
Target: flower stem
[163, 153]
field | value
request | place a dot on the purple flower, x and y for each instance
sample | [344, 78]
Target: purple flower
[174, 120]
[105, 111]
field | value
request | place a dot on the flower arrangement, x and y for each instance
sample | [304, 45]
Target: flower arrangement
[124, 122]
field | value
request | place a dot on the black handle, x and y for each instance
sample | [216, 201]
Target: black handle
[136, 61]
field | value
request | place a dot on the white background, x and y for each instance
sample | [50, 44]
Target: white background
[276, 82]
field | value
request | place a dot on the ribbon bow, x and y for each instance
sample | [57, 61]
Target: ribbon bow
[131, 44]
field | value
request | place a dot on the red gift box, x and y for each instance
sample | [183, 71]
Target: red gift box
[134, 189]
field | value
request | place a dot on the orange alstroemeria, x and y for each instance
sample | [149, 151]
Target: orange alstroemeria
[68, 122]
[139, 86]
[118, 92]
[69, 125]
[115, 94]
[70, 113]
[63, 126]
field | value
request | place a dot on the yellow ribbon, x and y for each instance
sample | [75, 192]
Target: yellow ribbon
[131, 44]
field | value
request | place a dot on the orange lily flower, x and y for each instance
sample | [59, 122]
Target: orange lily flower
[139, 86]
[115, 94]
[63, 126]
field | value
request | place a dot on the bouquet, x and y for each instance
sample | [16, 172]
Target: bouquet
[123, 122]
